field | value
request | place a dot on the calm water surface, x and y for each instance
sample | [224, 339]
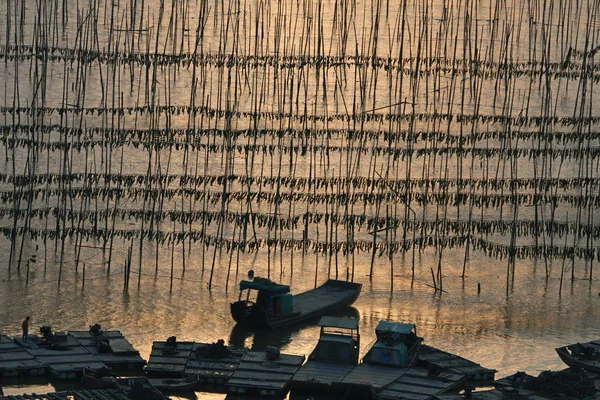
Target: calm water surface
[510, 332]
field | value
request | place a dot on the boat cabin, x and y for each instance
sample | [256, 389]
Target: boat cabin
[268, 295]
[338, 341]
[396, 345]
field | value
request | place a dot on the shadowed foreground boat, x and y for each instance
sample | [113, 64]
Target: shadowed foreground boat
[581, 355]
[263, 303]
[139, 388]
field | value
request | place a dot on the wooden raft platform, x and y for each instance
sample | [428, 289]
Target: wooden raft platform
[67, 361]
[104, 394]
[257, 374]
[15, 361]
[123, 355]
[549, 385]
[420, 384]
[165, 364]
[318, 376]
[213, 370]
[439, 360]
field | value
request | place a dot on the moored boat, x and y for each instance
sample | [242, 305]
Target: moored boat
[334, 356]
[139, 388]
[393, 353]
[264, 303]
[581, 355]
[186, 384]
[97, 378]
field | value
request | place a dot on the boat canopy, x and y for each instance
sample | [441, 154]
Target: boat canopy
[338, 322]
[399, 328]
[266, 285]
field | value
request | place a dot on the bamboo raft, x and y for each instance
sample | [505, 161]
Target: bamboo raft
[122, 356]
[67, 362]
[213, 370]
[438, 360]
[565, 384]
[192, 359]
[67, 358]
[104, 394]
[260, 374]
[16, 361]
[420, 384]
[168, 364]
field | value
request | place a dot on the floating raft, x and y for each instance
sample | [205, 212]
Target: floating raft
[319, 376]
[420, 384]
[123, 356]
[167, 364]
[67, 357]
[213, 370]
[67, 360]
[104, 394]
[565, 384]
[15, 361]
[439, 360]
[257, 374]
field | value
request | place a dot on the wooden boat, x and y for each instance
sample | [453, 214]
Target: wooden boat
[334, 356]
[139, 388]
[97, 379]
[581, 355]
[186, 384]
[263, 303]
[392, 355]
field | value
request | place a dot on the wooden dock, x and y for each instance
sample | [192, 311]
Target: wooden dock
[258, 374]
[166, 363]
[210, 369]
[15, 361]
[122, 355]
[439, 360]
[104, 394]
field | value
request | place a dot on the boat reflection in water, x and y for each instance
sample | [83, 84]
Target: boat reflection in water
[260, 338]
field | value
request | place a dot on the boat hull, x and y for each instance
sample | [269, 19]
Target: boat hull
[329, 297]
[97, 380]
[588, 360]
[175, 384]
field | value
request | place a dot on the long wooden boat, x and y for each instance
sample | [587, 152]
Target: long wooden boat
[139, 388]
[581, 355]
[334, 356]
[97, 379]
[186, 384]
[393, 354]
[263, 303]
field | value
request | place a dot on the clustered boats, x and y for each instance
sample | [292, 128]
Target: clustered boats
[333, 365]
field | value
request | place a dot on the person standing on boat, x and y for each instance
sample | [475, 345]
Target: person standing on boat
[25, 327]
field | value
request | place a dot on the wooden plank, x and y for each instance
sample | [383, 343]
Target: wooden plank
[256, 384]
[212, 365]
[282, 369]
[260, 375]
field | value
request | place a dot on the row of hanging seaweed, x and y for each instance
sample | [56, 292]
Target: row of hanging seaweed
[190, 138]
[575, 64]
[506, 120]
[126, 181]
